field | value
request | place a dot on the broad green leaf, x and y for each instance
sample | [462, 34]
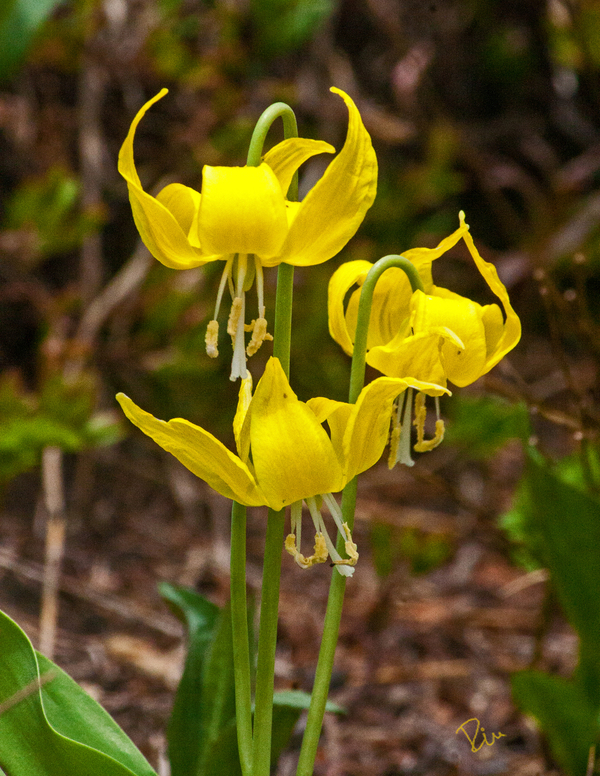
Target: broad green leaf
[187, 730]
[19, 22]
[568, 520]
[564, 714]
[55, 730]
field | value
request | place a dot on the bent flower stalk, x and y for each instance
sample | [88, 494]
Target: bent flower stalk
[284, 455]
[243, 217]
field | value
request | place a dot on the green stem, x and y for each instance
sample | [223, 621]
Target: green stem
[241, 646]
[337, 587]
[269, 603]
[267, 641]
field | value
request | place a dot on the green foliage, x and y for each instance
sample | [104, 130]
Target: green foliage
[55, 729]
[482, 424]
[561, 522]
[424, 551]
[202, 730]
[282, 26]
[62, 415]
[48, 208]
[20, 20]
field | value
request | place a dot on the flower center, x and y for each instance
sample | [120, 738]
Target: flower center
[244, 267]
[324, 547]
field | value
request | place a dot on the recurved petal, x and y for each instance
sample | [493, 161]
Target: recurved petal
[422, 258]
[242, 210]
[512, 325]
[200, 452]
[334, 208]
[285, 158]
[341, 282]
[293, 456]
[158, 227]
[368, 425]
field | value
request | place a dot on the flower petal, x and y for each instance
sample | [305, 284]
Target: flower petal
[285, 158]
[422, 258]
[341, 281]
[241, 421]
[182, 202]
[242, 210]
[159, 229]
[334, 208]
[463, 365]
[292, 454]
[200, 452]
[512, 325]
[419, 355]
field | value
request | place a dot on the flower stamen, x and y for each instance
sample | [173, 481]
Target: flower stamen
[425, 445]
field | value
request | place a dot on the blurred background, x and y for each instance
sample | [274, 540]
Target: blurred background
[489, 106]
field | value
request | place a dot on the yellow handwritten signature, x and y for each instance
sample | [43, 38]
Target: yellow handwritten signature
[478, 729]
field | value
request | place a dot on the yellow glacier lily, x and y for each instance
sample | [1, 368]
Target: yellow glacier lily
[433, 335]
[284, 455]
[242, 217]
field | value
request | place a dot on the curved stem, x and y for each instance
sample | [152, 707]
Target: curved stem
[337, 587]
[241, 646]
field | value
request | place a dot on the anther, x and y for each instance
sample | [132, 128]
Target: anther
[212, 338]
[234, 316]
[259, 335]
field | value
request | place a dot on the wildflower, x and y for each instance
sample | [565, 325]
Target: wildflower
[435, 336]
[284, 455]
[242, 217]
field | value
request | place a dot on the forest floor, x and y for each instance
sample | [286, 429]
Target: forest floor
[418, 655]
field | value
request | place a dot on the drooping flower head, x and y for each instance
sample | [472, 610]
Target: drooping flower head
[242, 216]
[284, 455]
[433, 335]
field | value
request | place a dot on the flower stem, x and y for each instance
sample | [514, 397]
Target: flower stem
[337, 587]
[267, 640]
[241, 646]
[269, 604]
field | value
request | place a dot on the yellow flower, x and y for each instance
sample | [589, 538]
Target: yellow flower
[435, 335]
[242, 217]
[284, 455]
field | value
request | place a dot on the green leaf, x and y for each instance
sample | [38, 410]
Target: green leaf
[55, 730]
[564, 713]
[19, 22]
[568, 520]
[187, 732]
[287, 707]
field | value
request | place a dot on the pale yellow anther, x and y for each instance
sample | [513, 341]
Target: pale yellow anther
[259, 335]
[351, 550]
[212, 338]
[425, 445]
[234, 316]
[420, 418]
[319, 555]
[429, 444]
